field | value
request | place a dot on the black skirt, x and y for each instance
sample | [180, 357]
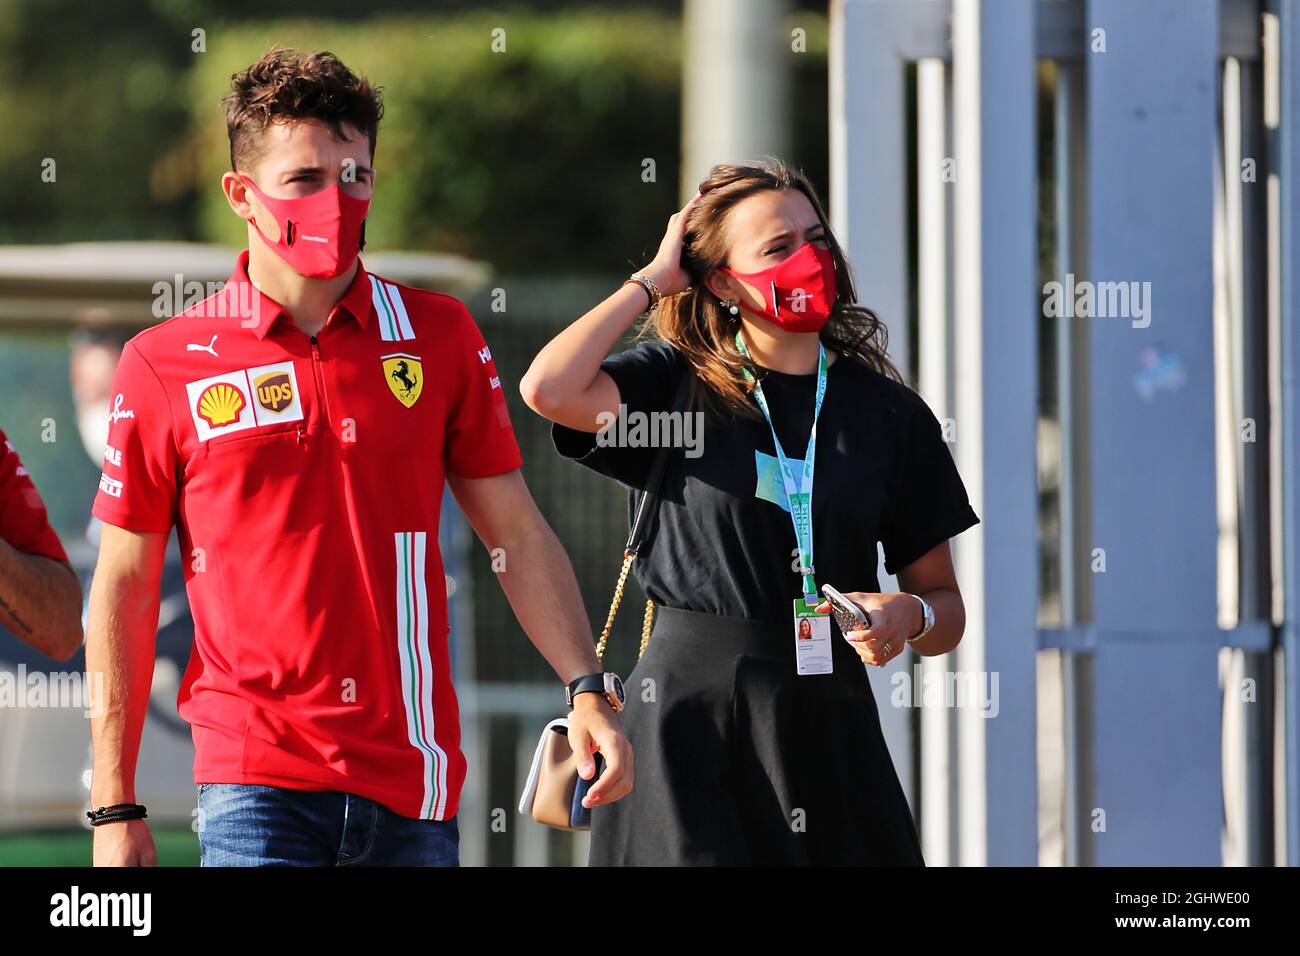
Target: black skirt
[740, 761]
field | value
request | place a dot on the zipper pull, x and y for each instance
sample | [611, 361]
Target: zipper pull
[302, 433]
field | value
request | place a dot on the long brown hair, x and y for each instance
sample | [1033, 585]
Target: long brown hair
[694, 322]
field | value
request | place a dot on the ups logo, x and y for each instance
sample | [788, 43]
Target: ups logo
[274, 391]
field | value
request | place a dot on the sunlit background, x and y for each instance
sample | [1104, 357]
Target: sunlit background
[1134, 578]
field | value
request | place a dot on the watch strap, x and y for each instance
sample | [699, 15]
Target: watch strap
[587, 683]
[927, 619]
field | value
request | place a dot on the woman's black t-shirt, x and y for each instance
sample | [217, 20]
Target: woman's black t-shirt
[724, 542]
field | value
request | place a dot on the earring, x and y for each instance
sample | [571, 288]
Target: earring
[729, 305]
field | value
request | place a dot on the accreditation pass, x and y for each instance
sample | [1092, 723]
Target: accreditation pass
[812, 638]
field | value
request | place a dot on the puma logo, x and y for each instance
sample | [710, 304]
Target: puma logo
[193, 347]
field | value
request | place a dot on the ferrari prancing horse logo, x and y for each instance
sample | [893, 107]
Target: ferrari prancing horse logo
[404, 376]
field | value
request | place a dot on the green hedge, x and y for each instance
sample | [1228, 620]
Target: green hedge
[529, 159]
[91, 86]
[518, 158]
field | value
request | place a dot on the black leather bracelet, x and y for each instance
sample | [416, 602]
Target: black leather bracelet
[117, 812]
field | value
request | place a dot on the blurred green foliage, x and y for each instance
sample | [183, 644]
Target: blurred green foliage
[532, 159]
[519, 157]
[91, 88]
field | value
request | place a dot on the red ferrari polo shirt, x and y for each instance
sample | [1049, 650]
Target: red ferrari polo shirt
[24, 522]
[305, 476]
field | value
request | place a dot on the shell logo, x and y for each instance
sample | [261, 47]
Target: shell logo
[220, 404]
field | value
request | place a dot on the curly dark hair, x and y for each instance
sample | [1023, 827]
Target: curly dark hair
[286, 85]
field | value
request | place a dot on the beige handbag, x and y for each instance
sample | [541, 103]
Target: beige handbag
[553, 791]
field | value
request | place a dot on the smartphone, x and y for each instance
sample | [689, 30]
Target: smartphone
[580, 816]
[848, 615]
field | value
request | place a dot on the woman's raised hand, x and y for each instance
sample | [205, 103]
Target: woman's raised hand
[666, 268]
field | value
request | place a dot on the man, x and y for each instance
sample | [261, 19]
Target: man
[40, 596]
[297, 428]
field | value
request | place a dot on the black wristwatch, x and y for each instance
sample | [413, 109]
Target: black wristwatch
[607, 685]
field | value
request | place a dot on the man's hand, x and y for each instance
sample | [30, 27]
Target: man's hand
[593, 726]
[126, 843]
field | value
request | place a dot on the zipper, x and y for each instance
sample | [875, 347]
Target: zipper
[319, 376]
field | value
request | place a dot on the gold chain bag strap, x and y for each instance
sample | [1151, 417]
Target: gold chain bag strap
[553, 781]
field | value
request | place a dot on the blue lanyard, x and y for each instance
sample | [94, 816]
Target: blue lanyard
[798, 496]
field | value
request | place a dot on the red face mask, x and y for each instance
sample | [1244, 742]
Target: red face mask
[320, 234]
[797, 293]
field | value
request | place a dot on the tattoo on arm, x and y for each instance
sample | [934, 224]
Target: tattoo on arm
[4, 606]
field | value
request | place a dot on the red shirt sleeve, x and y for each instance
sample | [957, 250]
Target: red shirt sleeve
[24, 522]
[480, 440]
[138, 488]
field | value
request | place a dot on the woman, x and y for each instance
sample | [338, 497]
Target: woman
[753, 746]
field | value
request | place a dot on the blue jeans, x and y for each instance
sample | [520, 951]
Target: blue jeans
[256, 825]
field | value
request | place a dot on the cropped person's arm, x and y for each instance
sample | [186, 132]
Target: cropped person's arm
[40, 601]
